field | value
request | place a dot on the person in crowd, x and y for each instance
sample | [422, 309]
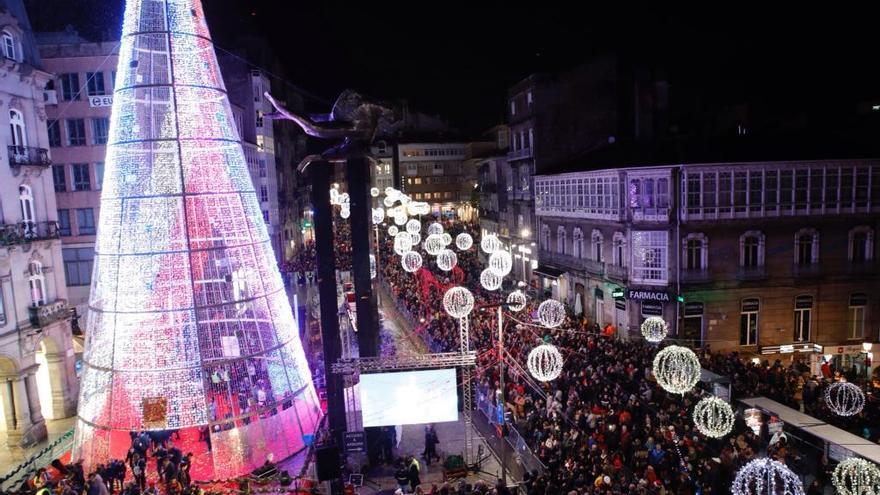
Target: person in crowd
[431, 442]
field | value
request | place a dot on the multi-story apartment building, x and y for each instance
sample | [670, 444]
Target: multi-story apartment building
[764, 257]
[79, 121]
[37, 377]
[438, 173]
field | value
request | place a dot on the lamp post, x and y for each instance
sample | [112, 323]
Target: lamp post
[866, 349]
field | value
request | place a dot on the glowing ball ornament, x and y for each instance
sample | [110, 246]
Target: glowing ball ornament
[545, 362]
[490, 243]
[378, 215]
[766, 477]
[434, 244]
[844, 398]
[447, 239]
[676, 369]
[393, 231]
[713, 417]
[516, 301]
[390, 191]
[411, 261]
[374, 192]
[400, 217]
[413, 226]
[345, 211]
[404, 199]
[551, 313]
[446, 260]
[435, 229]
[391, 212]
[458, 302]
[402, 243]
[501, 262]
[416, 239]
[654, 329]
[343, 199]
[464, 241]
[334, 196]
[855, 476]
[490, 280]
[388, 202]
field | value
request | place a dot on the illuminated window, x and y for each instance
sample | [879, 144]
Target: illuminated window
[748, 321]
[650, 256]
[803, 309]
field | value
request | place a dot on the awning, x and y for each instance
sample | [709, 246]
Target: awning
[548, 271]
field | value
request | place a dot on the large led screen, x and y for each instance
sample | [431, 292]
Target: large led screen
[409, 397]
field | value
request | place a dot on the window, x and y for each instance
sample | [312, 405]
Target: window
[577, 238]
[266, 216]
[751, 249]
[529, 97]
[259, 118]
[85, 220]
[76, 132]
[861, 244]
[649, 195]
[9, 46]
[16, 127]
[696, 252]
[26, 202]
[69, 87]
[545, 237]
[856, 323]
[748, 321]
[54, 130]
[806, 247]
[81, 180]
[59, 178]
[597, 239]
[264, 193]
[37, 283]
[803, 307]
[619, 244]
[95, 83]
[100, 129]
[78, 265]
[560, 239]
[262, 165]
[64, 223]
[512, 107]
[650, 253]
[99, 175]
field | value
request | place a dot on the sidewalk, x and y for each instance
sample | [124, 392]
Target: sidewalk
[11, 457]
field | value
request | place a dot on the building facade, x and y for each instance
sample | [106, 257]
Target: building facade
[764, 257]
[37, 377]
[437, 173]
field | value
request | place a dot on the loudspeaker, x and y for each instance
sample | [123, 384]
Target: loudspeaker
[327, 462]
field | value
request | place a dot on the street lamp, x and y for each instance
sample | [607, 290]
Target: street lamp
[866, 349]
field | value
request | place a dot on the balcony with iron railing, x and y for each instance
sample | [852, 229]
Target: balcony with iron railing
[26, 232]
[616, 272]
[45, 314]
[572, 263]
[24, 156]
[519, 154]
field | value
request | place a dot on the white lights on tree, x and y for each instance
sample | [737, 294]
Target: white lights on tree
[434, 244]
[501, 262]
[545, 362]
[713, 417]
[464, 241]
[435, 229]
[551, 313]
[855, 476]
[844, 398]
[411, 261]
[654, 329]
[446, 260]
[516, 301]
[393, 231]
[490, 243]
[458, 302]
[372, 266]
[400, 217]
[402, 243]
[374, 192]
[413, 226]
[447, 239]
[676, 369]
[378, 215]
[490, 280]
[766, 477]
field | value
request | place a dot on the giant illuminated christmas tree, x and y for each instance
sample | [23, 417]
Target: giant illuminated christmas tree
[190, 328]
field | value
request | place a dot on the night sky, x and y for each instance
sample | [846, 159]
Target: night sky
[457, 59]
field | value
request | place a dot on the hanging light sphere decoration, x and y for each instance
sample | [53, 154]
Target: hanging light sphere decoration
[676, 369]
[766, 477]
[545, 362]
[446, 260]
[490, 243]
[464, 241]
[844, 398]
[374, 192]
[458, 302]
[400, 217]
[404, 199]
[334, 196]
[393, 231]
[390, 191]
[378, 215]
[435, 228]
[654, 329]
[416, 239]
[372, 266]
[434, 244]
[501, 262]
[388, 202]
[856, 476]
[391, 212]
[345, 211]
[402, 243]
[516, 301]
[411, 261]
[490, 280]
[713, 417]
[413, 226]
[447, 239]
[551, 313]
[343, 199]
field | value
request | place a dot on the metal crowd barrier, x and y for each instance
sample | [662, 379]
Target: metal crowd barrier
[528, 459]
[15, 476]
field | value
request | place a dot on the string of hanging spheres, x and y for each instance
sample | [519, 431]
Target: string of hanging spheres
[675, 368]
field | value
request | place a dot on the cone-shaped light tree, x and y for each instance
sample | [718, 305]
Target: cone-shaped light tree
[189, 328]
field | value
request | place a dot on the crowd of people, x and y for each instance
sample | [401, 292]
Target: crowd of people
[302, 268]
[603, 426]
